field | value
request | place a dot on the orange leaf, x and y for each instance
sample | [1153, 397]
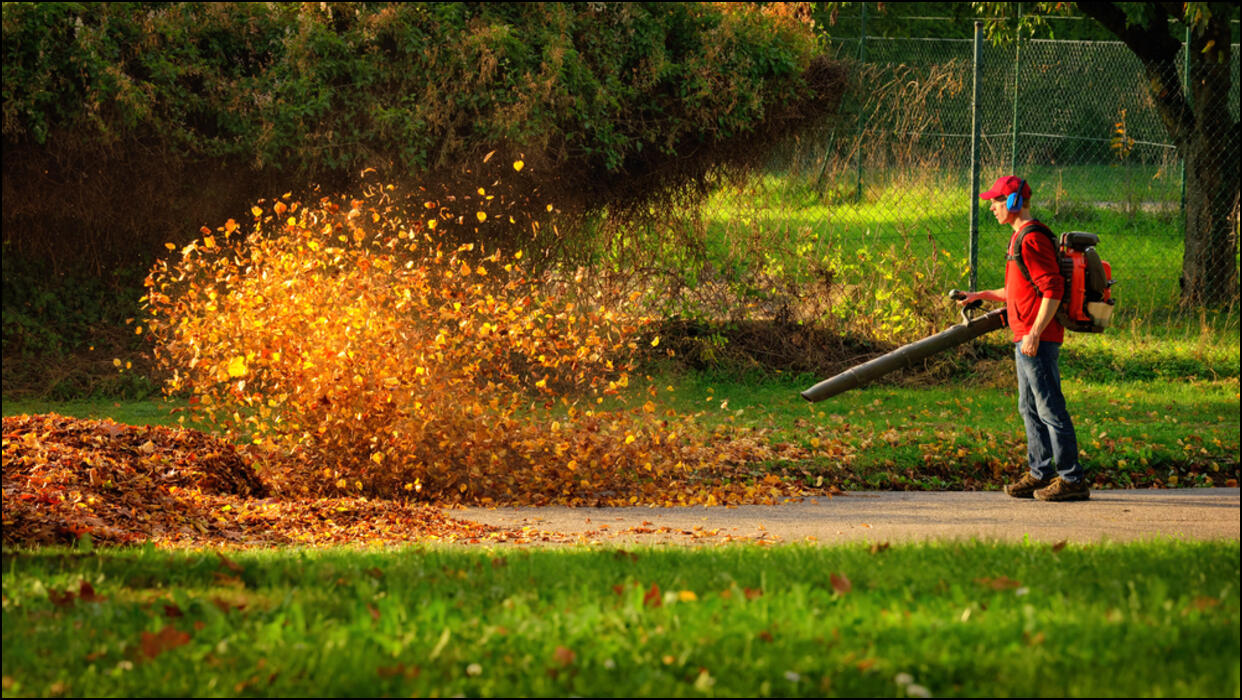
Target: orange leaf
[230, 564]
[168, 638]
[840, 583]
[652, 597]
[999, 583]
[87, 593]
[564, 655]
[60, 599]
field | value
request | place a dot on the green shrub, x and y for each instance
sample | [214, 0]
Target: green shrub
[605, 90]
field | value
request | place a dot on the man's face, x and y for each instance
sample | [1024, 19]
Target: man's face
[1001, 212]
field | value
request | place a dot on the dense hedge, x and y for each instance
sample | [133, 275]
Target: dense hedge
[610, 89]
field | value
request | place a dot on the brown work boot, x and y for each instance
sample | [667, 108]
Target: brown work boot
[1062, 490]
[1026, 486]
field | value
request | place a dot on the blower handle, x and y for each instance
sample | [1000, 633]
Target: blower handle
[958, 295]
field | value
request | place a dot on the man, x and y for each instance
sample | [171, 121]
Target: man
[1031, 299]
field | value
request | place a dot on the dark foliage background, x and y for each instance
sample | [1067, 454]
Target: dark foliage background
[129, 125]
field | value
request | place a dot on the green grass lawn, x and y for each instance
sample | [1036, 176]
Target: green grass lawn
[952, 619]
[1167, 431]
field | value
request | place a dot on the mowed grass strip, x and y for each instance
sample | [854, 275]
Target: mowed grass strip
[1153, 619]
[1157, 432]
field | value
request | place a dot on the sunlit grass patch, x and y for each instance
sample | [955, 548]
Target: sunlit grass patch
[948, 619]
[801, 222]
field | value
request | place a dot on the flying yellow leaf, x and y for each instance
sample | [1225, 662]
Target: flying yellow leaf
[518, 165]
[481, 216]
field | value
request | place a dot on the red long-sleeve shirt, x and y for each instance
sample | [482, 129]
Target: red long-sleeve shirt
[1022, 300]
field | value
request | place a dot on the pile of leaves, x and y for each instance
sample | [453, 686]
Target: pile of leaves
[66, 477]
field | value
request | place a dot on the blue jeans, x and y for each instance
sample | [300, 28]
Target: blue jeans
[1050, 437]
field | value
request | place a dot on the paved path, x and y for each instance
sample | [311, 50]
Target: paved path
[886, 516]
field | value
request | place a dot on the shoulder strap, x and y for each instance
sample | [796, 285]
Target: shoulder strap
[1017, 249]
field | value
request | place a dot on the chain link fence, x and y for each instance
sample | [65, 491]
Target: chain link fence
[891, 189]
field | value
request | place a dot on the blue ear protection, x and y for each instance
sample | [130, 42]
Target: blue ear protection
[1014, 202]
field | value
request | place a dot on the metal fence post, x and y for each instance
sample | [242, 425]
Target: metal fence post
[1186, 94]
[862, 58]
[1017, 75]
[974, 160]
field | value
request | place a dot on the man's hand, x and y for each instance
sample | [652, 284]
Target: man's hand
[1047, 310]
[1030, 344]
[985, 295]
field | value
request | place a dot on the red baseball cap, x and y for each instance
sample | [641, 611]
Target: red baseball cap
[1007, 185]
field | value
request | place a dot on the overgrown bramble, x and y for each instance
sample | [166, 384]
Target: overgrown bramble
[362, 353]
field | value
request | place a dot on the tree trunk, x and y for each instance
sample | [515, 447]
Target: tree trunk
[1210, 151]
[1198, 118]
[1210, 261]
